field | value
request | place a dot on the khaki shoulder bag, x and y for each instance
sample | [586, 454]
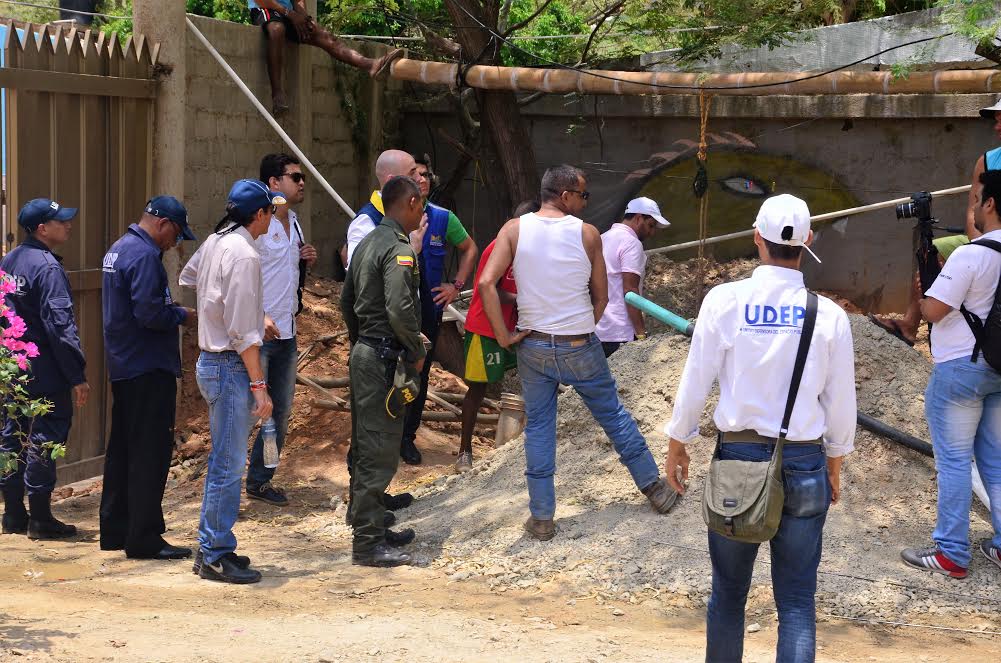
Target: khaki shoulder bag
[743, 499]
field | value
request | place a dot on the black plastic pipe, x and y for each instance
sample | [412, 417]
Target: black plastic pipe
[880, 428]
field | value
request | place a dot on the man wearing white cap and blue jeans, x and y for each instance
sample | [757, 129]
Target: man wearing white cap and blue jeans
[625, 264]
[747, 337]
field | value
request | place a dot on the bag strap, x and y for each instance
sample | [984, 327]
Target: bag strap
[809, 322]
[975, 323]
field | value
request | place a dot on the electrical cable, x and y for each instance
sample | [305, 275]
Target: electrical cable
[68, 11]
[672, 86]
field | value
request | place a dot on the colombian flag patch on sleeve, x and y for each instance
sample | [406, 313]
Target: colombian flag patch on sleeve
[406, 261]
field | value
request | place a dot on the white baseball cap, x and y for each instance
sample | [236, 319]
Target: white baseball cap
[647, 207]
[785, 219]
[990, 110]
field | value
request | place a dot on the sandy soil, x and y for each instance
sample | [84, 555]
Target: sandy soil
[617, 584]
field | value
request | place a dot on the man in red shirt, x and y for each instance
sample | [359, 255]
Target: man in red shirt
[486, 360]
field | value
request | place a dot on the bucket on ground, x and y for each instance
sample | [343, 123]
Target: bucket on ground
[511, 422]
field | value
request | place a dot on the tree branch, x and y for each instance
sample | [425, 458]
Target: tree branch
[442, 45]
[505, 16]
[611, 9]
[518, 26]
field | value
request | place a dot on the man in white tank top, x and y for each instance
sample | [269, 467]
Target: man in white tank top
[562, 292]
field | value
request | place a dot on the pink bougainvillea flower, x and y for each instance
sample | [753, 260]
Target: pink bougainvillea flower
[31, 349]
[22, 362]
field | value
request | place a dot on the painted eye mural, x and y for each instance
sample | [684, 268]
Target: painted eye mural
[740, 177]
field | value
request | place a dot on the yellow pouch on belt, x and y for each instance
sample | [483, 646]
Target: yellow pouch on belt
[402, 392]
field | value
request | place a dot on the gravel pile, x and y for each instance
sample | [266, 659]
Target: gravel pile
[610, 544]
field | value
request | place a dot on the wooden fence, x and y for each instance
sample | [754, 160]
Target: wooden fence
[79, 129]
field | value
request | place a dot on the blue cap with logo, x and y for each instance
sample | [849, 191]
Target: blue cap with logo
[170, 208]
[38, 211]
[251, 195]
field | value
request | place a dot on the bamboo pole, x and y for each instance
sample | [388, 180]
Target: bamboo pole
[817, 218]
[269, 119]
[562, 81]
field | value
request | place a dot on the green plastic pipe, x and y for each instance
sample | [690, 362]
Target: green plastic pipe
[660, 313]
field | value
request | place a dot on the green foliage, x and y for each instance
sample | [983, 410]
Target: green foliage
[978, 20]
[559, 18]
[123, 27]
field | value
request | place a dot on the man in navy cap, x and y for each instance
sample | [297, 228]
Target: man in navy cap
[144, 362]
[44, 301]
[226, 272]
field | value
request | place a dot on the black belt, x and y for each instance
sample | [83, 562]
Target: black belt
[753, 437]
[557, 338]
[376, 342]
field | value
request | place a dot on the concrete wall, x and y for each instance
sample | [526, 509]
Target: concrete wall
[334, 120]
[835, 152]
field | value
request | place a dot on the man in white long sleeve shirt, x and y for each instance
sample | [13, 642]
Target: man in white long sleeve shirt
[226, 272]
[746, 337]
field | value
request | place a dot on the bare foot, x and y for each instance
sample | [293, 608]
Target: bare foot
[381, 65]
[894, 327]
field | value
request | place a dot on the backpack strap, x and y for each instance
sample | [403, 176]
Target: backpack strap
[975, 323]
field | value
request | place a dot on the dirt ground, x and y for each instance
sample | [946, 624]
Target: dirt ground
[69, 601]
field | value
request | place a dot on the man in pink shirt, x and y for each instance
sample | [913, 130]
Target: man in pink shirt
[625, 262]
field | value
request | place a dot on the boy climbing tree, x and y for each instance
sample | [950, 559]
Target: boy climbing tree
[284, 20]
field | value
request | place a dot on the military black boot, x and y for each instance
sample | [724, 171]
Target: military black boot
[382, 555]
[401, 538]
[41, 523]
[15, 516]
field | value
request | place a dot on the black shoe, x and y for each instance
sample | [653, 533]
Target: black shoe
[268, 493]
[49, 529]
[227, 569]
[397, 502]
[240, 560]
[15, 524]
[382, 555]
[168, 552]
[388, 520]
[401, 538]
[409, 452]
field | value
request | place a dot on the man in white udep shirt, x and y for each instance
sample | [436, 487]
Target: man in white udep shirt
[963, 398]
[747, 337]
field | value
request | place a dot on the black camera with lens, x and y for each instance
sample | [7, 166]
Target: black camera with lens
[918, 208]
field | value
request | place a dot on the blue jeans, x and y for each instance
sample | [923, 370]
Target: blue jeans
[543, 366]
[795, 554]
[278, 359]
[225, 385]
[963, 408]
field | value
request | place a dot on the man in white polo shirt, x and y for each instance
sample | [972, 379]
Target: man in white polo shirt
[625, 263]
[285, 256]
[963, 398]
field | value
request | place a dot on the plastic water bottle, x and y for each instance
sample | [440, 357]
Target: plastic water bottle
[270, 434]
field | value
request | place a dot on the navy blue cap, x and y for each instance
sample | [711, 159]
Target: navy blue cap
[170, 208]
[38, 211]
[251, 195]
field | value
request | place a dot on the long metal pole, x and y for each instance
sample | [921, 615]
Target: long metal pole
[267, 116]
[829, 216]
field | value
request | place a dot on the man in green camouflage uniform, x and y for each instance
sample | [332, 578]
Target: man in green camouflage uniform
[382, 312]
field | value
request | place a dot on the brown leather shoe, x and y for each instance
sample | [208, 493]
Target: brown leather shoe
[662, 497]
[543, 530]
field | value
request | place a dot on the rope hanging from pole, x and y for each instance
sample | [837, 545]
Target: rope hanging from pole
[700, 187]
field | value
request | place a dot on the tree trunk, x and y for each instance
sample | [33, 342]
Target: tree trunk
[500, 118]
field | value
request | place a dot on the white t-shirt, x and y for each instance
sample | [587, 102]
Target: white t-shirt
[280, 270]
[623, 252]
[357, 231]
[970, 277]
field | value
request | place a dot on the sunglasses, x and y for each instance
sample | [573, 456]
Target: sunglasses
[584, 195]
[295, 177]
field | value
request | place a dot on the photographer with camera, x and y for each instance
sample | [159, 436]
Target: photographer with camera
[906, 328]
[963, 397]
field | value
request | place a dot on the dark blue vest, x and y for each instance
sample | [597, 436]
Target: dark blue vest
[432, 258]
